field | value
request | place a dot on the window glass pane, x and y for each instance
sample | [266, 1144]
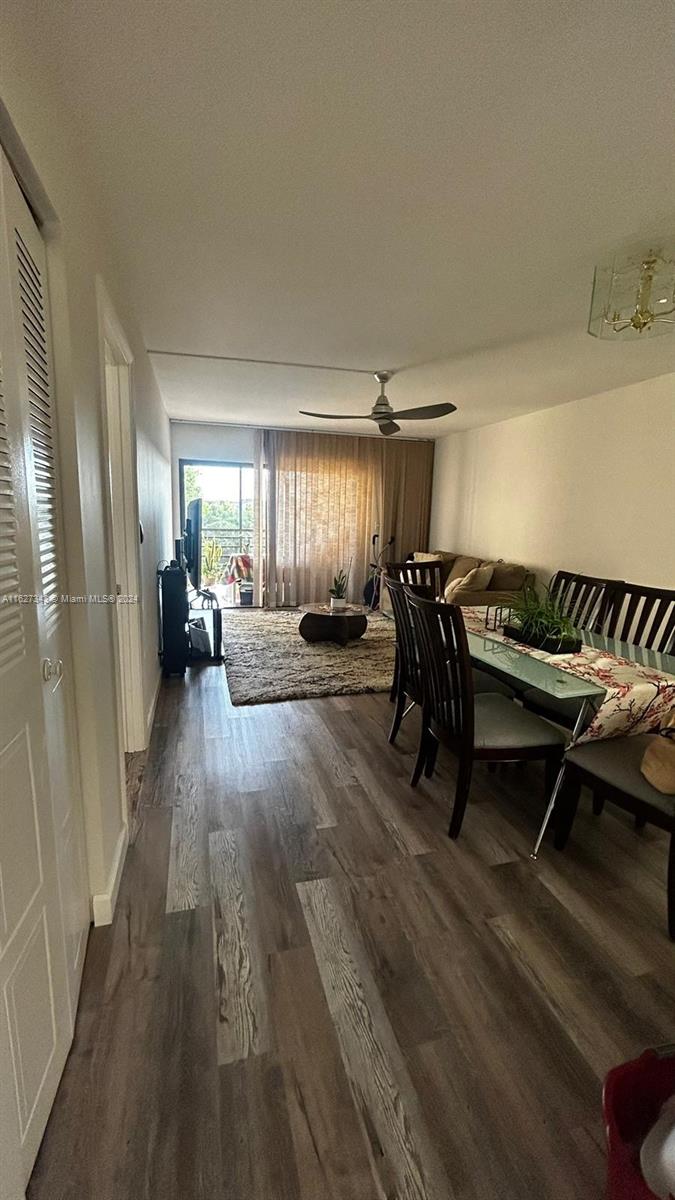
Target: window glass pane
[227, 494]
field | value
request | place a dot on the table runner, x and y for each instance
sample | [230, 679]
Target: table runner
[638, 698]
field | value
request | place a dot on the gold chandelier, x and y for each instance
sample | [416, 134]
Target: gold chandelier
[634, 295]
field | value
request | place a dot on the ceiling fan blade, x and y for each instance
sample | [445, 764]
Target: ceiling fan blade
[389, 427]
[426, 413]
[337, 416]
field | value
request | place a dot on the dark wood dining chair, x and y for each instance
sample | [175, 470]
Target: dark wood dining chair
[484, 726]
[586, 599]
[611, 768]
[644, 616]
[407, 685]
[428, 573]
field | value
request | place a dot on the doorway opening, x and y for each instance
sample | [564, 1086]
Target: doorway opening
[228, 532]
[124, 528]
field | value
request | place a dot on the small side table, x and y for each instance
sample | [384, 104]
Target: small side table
[320, 623]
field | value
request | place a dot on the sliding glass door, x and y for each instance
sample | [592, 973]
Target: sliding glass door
[227, 492]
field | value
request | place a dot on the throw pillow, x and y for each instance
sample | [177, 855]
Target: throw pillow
[507, 577]
[477, 580]
[426, 556]
[462, 565]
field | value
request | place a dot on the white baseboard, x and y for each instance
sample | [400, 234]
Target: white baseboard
[150, 715]
[103, 903]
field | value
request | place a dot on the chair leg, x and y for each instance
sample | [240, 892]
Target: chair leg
[671, 888]
[461, 796]
[430, 764]
[393, 692]
[598, 804]
[422, 754]
[398, 714]
[565, 811]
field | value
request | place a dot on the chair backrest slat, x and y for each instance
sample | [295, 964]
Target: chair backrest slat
[419, 574]
[447, 682]
[645, 616]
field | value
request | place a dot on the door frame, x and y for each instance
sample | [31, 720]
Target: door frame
[128, 649]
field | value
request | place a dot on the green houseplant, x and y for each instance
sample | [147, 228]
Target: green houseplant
[338, 592]
[539, 621]
[211, 562]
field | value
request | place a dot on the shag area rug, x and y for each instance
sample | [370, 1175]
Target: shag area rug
[266, 659]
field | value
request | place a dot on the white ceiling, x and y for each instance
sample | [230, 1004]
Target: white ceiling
[415, 184]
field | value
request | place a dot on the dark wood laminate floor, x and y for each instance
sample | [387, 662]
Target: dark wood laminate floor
[310, 993]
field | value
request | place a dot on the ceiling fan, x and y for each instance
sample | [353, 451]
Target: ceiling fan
[383, 414]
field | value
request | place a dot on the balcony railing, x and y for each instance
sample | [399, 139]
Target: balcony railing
[229, 540]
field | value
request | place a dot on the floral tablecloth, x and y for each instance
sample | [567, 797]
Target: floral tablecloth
[637, 698]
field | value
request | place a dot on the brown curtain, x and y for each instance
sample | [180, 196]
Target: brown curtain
[327, 495]
[407, 471]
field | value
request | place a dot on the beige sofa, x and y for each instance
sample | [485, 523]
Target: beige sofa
[506, 580]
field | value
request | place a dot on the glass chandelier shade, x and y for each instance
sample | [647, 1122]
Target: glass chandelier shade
[634, 295]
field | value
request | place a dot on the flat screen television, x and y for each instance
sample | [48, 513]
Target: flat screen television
[193, 543]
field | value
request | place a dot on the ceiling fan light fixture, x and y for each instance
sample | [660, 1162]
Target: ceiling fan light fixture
[634, 294]
[383, 414]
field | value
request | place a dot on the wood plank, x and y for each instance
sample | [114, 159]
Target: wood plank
[579, 999]
[360, 844]
[323, 1119]
[174, 1150]
[258, 1152]
[188, 885]
[413, 1008]
[405, 1158]
[241, 989]
[280, 922]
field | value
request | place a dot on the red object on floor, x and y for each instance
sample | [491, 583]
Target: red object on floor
[633, 1096]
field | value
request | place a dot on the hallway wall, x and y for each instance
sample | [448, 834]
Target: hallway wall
[79, 249]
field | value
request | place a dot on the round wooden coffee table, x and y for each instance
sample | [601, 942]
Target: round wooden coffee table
[319, 623]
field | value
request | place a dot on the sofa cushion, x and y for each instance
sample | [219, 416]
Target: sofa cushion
[477, 580]
[462, 565]
[507, 577]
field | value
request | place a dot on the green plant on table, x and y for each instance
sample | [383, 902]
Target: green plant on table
[540, 616]
[341, 583]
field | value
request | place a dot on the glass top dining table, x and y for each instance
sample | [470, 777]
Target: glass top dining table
[488, 649]
[524, 668]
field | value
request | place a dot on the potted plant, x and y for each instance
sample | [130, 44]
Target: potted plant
[338, 592]
[211, 562]
[539, 621]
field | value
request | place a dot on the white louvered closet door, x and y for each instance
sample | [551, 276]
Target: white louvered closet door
[28, 290]
[35, 1023]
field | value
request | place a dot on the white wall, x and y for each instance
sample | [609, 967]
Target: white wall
[588, 486]
[219, 443]
[78, 250]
